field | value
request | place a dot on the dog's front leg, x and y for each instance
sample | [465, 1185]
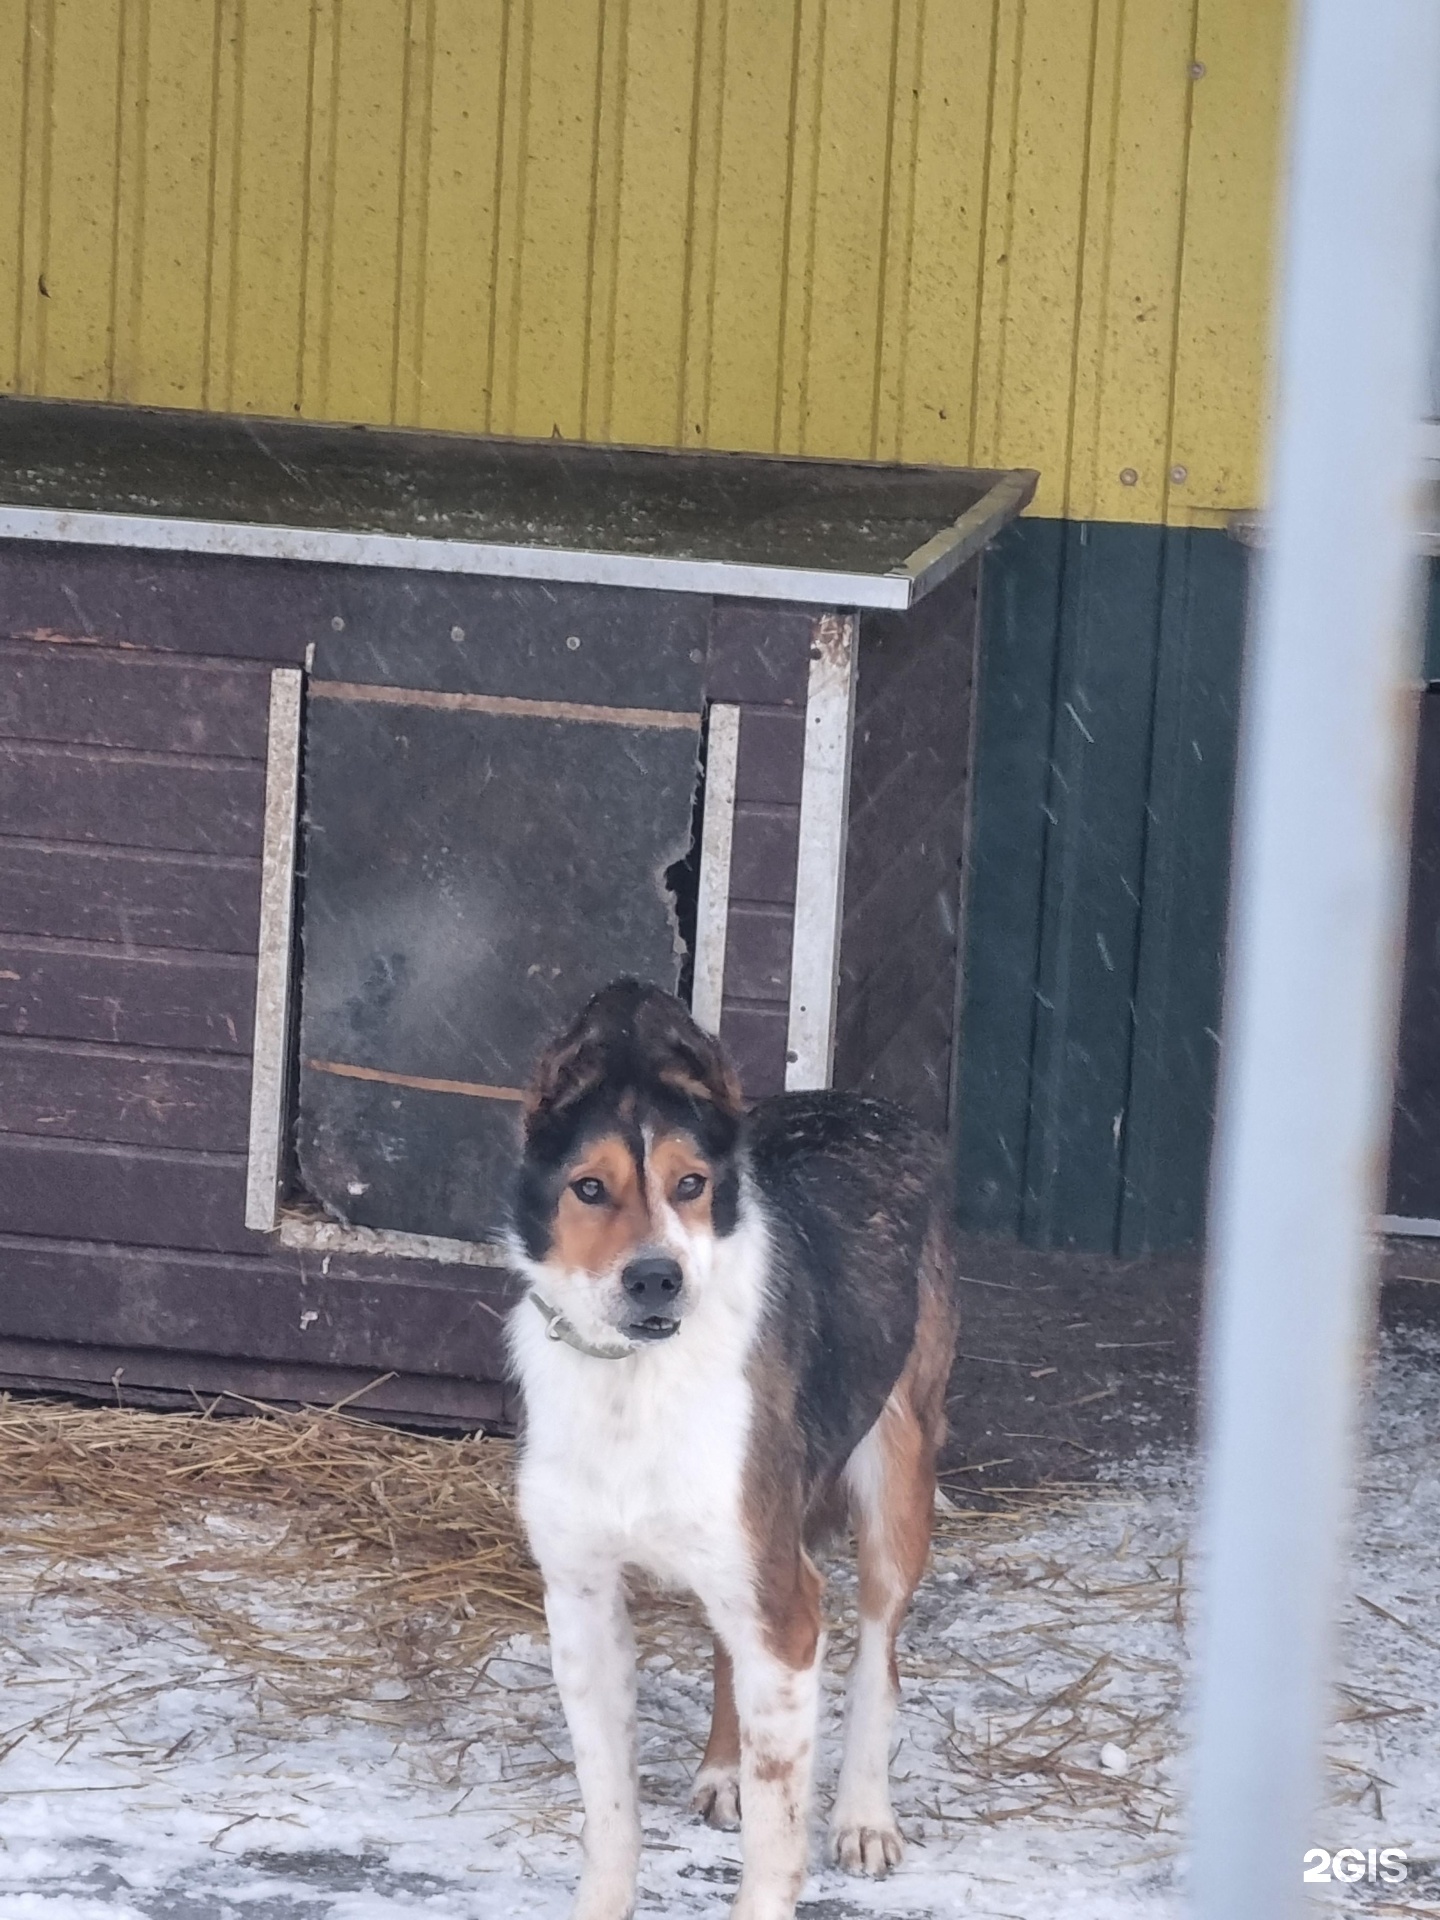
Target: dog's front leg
[777, 1682]
[592, 1653]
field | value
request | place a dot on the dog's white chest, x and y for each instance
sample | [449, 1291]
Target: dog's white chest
[639, 1460]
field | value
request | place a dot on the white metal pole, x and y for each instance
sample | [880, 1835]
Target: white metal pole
[1315, 937]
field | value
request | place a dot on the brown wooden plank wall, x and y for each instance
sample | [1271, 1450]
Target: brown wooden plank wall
[908, 784]
[134, 694]
[132, 789]
[133, 699]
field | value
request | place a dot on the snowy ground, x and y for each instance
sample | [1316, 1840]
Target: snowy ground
[141, 1774]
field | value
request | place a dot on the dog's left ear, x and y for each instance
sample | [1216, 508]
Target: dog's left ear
[700, 1067]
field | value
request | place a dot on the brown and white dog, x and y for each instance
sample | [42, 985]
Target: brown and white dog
[737, 1325]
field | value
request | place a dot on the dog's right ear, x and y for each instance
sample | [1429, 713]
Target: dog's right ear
[567, 1070]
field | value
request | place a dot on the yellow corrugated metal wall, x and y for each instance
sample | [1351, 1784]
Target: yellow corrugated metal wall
[983, 231]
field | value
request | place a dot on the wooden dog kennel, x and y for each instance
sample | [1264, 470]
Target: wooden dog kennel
[339, 766]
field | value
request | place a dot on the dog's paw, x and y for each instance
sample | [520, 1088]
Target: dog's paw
[716, 1798]
[604, 1896]
[870, 1846]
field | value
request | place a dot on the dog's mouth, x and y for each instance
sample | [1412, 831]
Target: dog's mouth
[655, 1326]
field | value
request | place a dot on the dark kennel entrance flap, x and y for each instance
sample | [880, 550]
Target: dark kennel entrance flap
[470, 876]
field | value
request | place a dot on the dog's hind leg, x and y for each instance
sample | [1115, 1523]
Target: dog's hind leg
[891, 1480]
[592, 1653]
[717, 1785]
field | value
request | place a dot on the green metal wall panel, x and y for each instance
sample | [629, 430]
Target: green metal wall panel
[1095, 848]
[1020, 616]
[1184, 892]
[1098, 879]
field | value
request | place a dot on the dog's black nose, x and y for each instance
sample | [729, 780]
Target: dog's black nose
[652, 1281]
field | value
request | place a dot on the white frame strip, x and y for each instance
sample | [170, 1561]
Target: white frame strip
[897, 588]
[335, 547]
[717, 833]
[270, 1057]
[1401, 1227]
[820, 868]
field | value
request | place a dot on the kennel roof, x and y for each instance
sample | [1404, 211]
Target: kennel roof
[824, 532]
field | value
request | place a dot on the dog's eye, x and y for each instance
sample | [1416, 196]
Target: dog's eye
[590, 1190]
[690, 1186]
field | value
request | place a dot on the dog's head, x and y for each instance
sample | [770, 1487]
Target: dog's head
[630, 1173]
